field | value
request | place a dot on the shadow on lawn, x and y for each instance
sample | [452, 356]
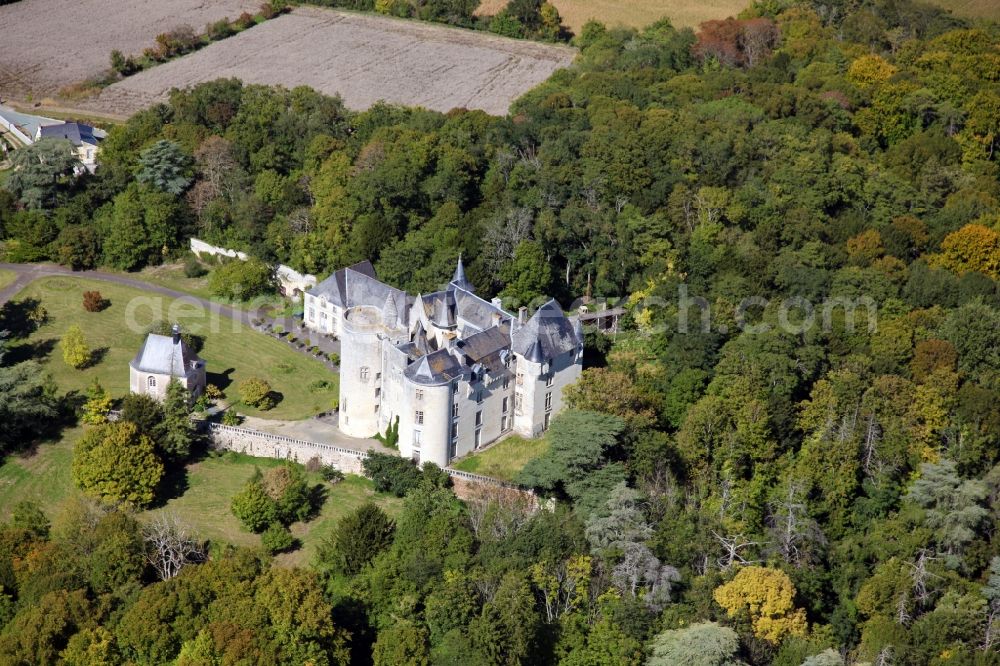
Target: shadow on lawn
[29, 351]
[222, 380]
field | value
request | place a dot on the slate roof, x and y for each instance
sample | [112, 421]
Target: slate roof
[459, 280]
[78, 133]
[546, 335]
[435, 368]
[487, 348]
[358, 285]
[163, 355]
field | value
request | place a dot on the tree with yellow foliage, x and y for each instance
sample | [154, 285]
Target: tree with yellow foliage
[768, 596]
[75, 352]
[973, 248]
[870, 70]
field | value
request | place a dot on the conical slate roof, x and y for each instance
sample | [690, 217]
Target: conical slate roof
[546, 335]
[459, 280]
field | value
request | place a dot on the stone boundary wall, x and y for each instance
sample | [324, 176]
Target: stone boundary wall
[291, 280]
[268, 445]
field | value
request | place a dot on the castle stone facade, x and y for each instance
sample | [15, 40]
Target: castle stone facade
[457, 371]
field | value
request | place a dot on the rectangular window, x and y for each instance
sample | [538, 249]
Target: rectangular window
[479, 438]
[418, 418]
[378, 376]
[479, 419]
[454, 410]
[479, 396]
[378, 392]
[312, 315]
[452, 449]
[418, 394]
[506, 405]
[548, 416]
[343, 405]
[416, 439]
[506, 383]
[548, 400]
[322, 316]
[520, 378]
[517, 403]
[364, 373]
[504, 423]
[548, 380]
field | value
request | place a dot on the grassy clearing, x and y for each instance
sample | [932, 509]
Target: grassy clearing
[205, 492]
[233, 352]
[212, 482]
[504, 459]
[6, 277]
[42, 475]
[172, 276]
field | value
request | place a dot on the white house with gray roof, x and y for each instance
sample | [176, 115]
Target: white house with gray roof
[163, 358]
[457, 371]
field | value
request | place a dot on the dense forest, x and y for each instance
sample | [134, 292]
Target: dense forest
[751, 489]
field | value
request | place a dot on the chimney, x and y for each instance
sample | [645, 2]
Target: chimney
[176, 330]
[496, 302]
[522, 315]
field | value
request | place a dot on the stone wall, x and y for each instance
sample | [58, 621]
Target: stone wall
[267, 445]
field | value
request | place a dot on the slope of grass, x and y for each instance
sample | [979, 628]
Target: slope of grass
[504, 459]
[42, 475]
[209, 486]
[204, 491]
[6, 277]
[232, 352]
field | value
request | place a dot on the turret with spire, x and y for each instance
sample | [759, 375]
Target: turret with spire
[459, 280]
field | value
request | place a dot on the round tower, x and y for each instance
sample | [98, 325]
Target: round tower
[360, 371]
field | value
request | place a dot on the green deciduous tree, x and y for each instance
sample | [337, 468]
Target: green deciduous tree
[118, 464]
[177, 432]
[701, 644]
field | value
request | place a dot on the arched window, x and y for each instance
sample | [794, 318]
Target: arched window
[151, 382]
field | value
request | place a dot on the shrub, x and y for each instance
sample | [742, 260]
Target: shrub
[391, 474]
[219, 29]
[175, 42]
[75, 351]
[253, 506]
[193, 268]
[214, 392]
[243, 280]
[231, 418]
[94, 302]
[256, 392]
[331, 474]
[243, 21]
[334, 358]
[277, 539]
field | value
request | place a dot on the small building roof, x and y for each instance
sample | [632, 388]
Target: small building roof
[77, 133]
[166, 355]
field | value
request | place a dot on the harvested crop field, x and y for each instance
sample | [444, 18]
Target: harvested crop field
[363, 58]
[48, 44]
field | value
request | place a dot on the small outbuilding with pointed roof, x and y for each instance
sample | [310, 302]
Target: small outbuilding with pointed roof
[163, 358]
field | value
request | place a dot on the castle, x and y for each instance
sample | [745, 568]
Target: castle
[457, 371]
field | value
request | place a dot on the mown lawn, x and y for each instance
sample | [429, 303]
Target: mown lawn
[6, 277]
[233, 352]
[209, 486]
[42, 475]
[504, 459]
[203, 493]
